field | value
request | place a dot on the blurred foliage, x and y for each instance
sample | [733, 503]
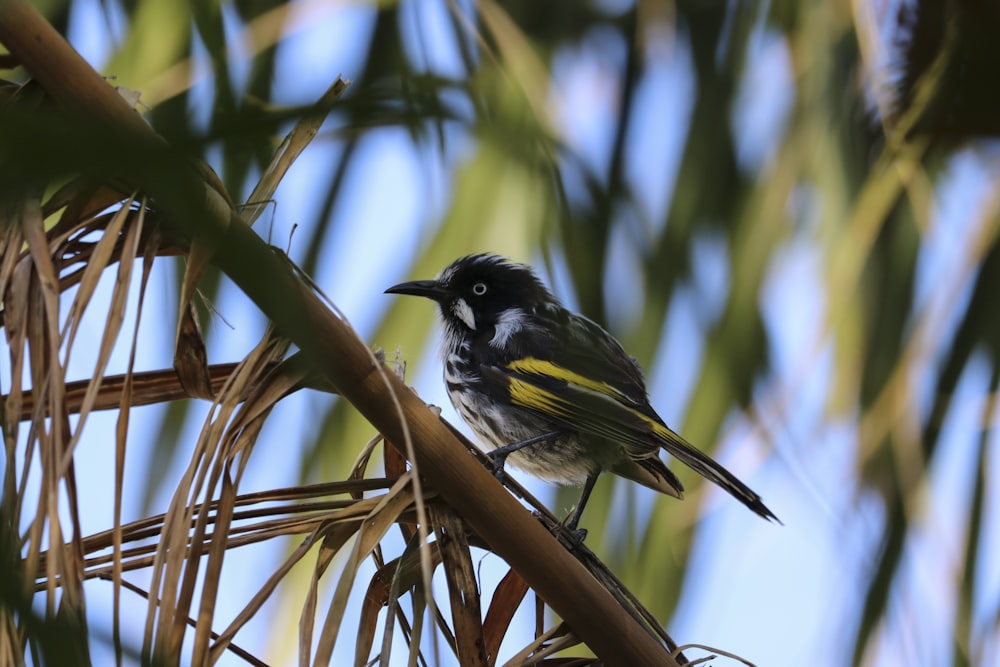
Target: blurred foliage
[858, 185]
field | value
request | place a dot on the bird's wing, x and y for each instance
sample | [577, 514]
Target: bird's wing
[581, 403]
[585, 348]
[576, 372]
[585, 403]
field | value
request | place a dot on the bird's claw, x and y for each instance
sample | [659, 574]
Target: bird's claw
[498, 464]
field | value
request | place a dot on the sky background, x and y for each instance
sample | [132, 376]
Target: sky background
[776, 595]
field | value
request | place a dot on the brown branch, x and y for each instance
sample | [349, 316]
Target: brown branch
[161, 386]
[196, 209]
[147, 388]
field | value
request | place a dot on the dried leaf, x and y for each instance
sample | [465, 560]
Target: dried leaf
[384, 589]
[385, 514]
[506, 599]
[463, 589]
[291, 147]
[190, 356]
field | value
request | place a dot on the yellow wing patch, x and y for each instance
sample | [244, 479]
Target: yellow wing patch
[532, 396]
[533, 366]
[528, 394]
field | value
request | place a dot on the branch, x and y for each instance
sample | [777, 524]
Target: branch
[202, 213]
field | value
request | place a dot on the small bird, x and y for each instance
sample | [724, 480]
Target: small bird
[551, 389]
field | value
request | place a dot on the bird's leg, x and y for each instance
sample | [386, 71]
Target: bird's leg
[500, 454]
[581, 534]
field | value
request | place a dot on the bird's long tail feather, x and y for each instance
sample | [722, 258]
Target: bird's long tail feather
[684, 452]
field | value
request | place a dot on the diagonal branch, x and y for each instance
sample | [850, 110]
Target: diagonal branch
[197, 210]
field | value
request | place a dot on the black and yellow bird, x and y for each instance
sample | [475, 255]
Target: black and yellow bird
[551, 389]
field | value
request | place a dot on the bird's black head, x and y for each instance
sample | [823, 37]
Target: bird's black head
[478, 291]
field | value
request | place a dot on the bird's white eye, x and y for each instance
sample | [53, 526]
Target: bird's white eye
[479, 289]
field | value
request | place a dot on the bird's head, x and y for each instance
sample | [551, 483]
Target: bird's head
[479, 291]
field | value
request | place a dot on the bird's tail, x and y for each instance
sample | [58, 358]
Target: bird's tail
[700, 462]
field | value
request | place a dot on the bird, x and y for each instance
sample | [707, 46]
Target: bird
[550, 389]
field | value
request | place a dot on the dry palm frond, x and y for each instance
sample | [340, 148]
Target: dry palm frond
[184, 209]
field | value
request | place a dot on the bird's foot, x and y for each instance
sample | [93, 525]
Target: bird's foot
[498, 463]
[573, 533]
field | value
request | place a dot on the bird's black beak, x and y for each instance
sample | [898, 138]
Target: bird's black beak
[427, 288]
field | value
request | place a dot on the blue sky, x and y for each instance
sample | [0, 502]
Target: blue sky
[776, 595]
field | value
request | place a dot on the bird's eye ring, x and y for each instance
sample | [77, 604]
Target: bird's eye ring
[479, 289]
